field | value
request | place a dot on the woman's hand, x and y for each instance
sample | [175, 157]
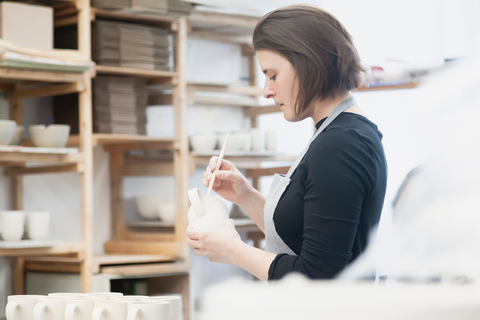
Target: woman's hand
[217, 245]
[230, 183]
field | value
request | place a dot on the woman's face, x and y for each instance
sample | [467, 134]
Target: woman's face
[280, 83]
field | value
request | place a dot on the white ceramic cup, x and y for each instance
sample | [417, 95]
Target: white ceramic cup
[271, 140]
[257, 139]
[17, 136]
[247, 142]
[38, 224]
[7, 131]
[80, 308]
[129, 298]
[50, 308]
[110, 310]
[13, 223]
[176, 306]
[20, 307]
[149, 310]
[107, 295]
[66, 294]
[167, 212]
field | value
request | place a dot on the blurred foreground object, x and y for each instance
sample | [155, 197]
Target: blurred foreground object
[296, 297]
[435, 234]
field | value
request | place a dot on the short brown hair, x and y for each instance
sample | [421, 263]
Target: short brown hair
[317, 45]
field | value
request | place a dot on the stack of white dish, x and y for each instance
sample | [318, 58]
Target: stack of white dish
[14, 223]
[93, 306]
[52, 136]
[156, 207]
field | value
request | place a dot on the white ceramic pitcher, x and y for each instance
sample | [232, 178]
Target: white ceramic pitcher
[206, 213]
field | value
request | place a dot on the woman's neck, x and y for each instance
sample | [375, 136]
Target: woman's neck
[322, 109]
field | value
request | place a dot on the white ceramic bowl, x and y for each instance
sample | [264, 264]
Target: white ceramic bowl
[167, 212]
[203, 142]
[147, 206]
[17, 136]
[7, 130]
[52, 136]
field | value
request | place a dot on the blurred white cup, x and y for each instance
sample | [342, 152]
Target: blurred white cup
[271, 140]
[247, 142]
[79, 308]
[149, 310]
[257, 139]
[176, 307]
[20, 307]
[49, 308]
[13, 223]
[110, 309]
[38, 224]
[107, 295]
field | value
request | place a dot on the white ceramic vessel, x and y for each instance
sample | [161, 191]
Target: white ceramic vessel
[167, 212]
[17, 136]
[203, 142]
[7, 130]
[147, 206]
[38, 224]
[206, 214]
[52, 136]
[13, 224]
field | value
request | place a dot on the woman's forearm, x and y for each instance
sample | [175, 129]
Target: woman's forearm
[253, 260]
[254, 206]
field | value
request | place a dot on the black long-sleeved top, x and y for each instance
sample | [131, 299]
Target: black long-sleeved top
[334, 198]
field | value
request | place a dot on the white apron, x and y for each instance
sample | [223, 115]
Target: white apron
[280, 182]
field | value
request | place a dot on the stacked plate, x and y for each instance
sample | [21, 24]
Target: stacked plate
[130, 45]
[119, 105]
[179, 8]
[157, 6]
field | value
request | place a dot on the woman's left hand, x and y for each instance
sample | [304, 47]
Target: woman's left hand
[217, 245]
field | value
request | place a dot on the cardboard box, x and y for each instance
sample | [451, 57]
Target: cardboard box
[27, 25]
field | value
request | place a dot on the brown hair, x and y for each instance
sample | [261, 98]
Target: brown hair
[317, 45]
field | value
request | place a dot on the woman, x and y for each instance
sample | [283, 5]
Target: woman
[316, 219]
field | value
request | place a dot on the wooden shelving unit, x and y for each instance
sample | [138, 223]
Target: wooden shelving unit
[20, 83]
[129, 253]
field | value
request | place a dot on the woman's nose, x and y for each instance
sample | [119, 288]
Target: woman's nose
[268, 92]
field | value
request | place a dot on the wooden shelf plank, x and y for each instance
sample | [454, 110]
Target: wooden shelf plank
[32, 154]
[175, 249]
[382, 88]
[259, 110]
[75, 247]
[15, 171]
[146, 166]
[144, 73]
[49, 91]
[166, 22]
[147, 269]
[212, 21]
[72, 265]
[261, 172]
[225, 88]
[39, 75]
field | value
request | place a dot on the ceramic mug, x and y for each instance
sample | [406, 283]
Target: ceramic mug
[206, 214]
[149, 310]
[271, 140]
[20, 307]
[13, 223]
[38, 224]
[257, 139]
[80, 308]
[110, 309]
[49, 308]
[176, 307]
[107, 295]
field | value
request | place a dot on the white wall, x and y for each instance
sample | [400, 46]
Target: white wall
[413, 30]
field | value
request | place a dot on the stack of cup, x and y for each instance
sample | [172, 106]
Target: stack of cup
[93, 306]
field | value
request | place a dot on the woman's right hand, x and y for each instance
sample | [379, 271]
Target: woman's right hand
[230, 183]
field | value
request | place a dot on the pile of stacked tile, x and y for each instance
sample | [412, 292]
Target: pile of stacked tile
[179, 8]
[111, 4]
[130, 45]
[119, 105]
[156, 6]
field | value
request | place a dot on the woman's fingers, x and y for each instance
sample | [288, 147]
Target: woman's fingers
[198, 252]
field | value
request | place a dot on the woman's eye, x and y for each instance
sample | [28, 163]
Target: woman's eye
[273, 77]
